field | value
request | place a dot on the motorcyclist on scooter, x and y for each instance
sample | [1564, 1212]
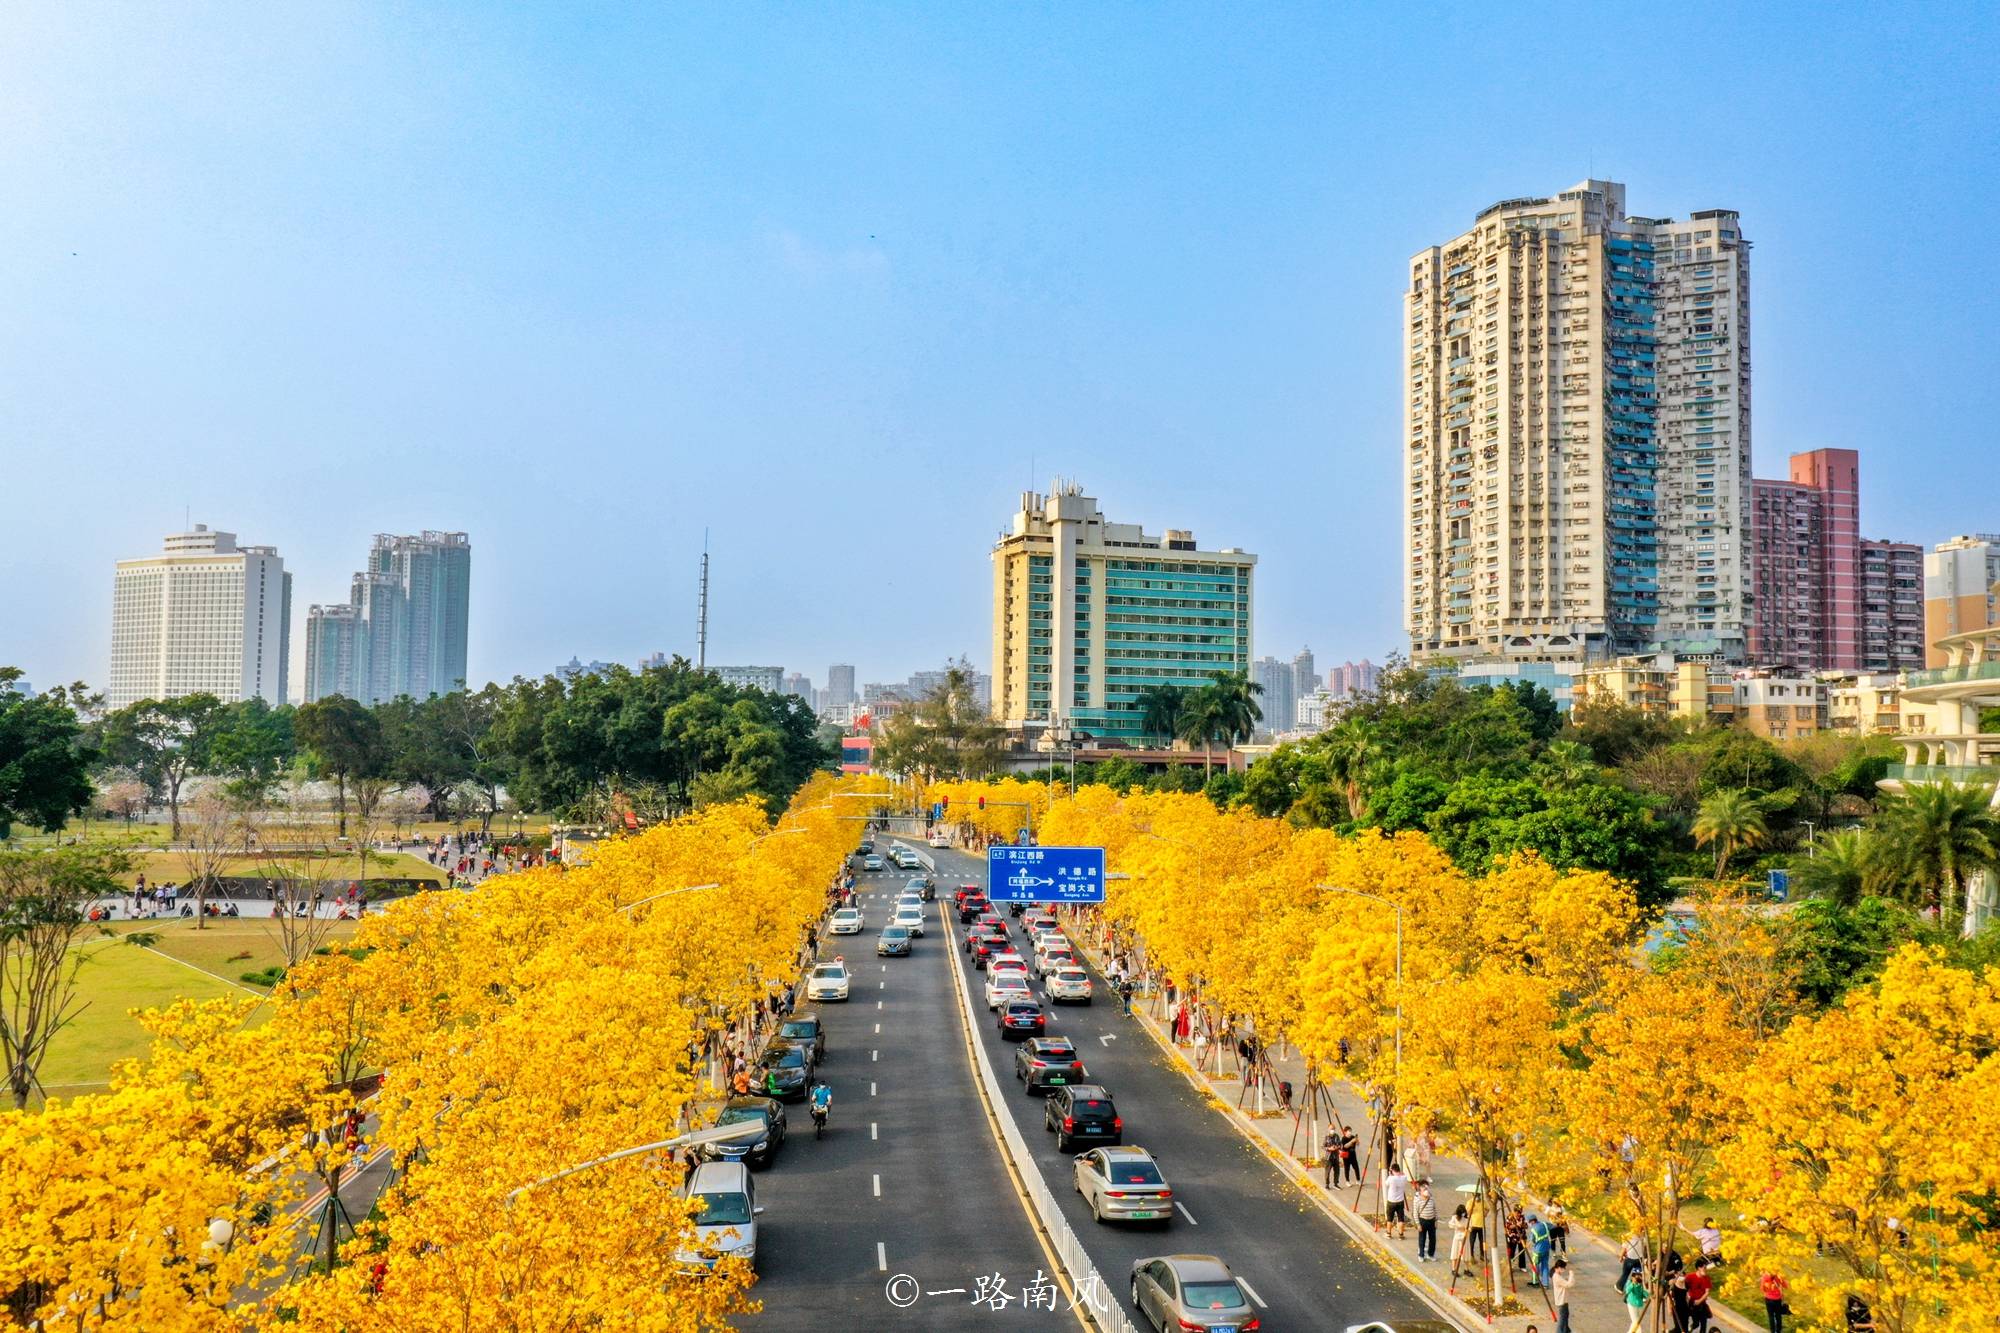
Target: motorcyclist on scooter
[822, 1102]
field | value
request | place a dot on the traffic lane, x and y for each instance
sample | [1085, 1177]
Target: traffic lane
[906, 1121]
[1304, 1269]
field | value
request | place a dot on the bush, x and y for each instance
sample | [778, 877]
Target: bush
[268, 977]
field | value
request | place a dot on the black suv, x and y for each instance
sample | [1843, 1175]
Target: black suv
[784, 1071]
[1082, 1111]
[1046, 1063]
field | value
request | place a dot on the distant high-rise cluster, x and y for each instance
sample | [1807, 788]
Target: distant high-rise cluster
[1352, 678]
[1285, 687]
[403, 631]
[205, 616]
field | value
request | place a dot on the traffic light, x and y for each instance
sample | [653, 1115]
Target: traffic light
[982, 803]
[945, 804]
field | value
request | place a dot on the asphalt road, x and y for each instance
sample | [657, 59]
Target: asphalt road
[1232, 1201]
[908, 1180]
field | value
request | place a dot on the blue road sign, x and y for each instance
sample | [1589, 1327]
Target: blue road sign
[1781, 884]
[1045, 874]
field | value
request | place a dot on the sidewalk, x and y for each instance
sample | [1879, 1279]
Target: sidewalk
[1595, 1304]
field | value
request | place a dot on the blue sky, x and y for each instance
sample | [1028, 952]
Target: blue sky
[838, 282]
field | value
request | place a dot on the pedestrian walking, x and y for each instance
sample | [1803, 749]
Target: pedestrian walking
[1635, 1300]
[1125, 995]
[1631, 1258]
[1773, 1288]
[1561, 1279]
[1698, 1285]
[1461, 1224]
[1427, 1224]
[1395, 1200]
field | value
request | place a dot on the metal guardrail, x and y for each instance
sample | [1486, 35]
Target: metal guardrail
[1091, 1292]
[1953, 675]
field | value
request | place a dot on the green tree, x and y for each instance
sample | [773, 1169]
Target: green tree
[44, 759]
[947, 734]
[1118, 774]
[426, 746]
[1352, 753]
[1201, 723]
[1160, 711]
[1935, 836]
[1841, 868]
[252, 743]
[44, 902]
[1829, 947]
[1730, 821]
[166, 742]
[1615, 732]
[344, 739]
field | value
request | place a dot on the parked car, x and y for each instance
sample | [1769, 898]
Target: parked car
[1191, 1291]
[827, 982]
[846, 921]
[760, 1151]
[784, 1072]
[725, 1218]
[805, 1030]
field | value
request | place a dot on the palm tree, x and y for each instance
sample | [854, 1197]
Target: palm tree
[1840, 869]
[1730, 821]
[1201, 721]
[1351, 750]
[1936, 836]
[1160, 710]
[1568, 764]
[1236, 705]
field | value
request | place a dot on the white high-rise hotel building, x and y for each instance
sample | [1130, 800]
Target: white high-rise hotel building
[1578, 448]
[203, 616]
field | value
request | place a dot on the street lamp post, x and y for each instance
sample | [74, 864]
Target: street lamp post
[713, 1134]
[653, 898]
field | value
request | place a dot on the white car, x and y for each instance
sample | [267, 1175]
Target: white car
[828, 981]
[910, 898]
[910, 919]
[1067, 984]
[1053, 955]
[1003, 963]
[847, 921]
[1006, 986]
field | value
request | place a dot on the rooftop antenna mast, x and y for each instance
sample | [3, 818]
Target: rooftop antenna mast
[701, 619]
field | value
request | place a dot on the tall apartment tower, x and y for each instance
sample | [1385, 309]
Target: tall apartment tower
[405, 622]
[1578, 441]
[1825, 599]
[1280, 696]
[1961, 590]
[840, 685]
[1088, 613]
[205, 616]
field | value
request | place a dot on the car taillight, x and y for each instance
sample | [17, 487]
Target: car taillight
[1192, 1328]
[1114, 1194]
[1253, 1325]
[1069, 1124]
[1117, 1122]
[1166, 1194]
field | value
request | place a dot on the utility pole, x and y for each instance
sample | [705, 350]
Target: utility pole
[701, 615]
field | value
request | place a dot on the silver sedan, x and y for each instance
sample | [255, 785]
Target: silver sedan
[1124, 1185]
[1191, 1291]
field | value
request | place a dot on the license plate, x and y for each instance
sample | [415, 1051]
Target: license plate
[1143, 1213]
[1057, 1078]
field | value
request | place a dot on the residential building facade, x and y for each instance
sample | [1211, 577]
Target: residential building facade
[1825, 597]
[1087, 614]
[1961, 592]
[410, 614]
[205, 616]
[1279, 700]
[1780, 705]
[332, 644]
[1577, 442]
[1351, 678]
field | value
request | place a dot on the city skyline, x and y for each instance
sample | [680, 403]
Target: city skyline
[583, 317]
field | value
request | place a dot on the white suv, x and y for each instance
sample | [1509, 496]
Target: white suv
[910, 918]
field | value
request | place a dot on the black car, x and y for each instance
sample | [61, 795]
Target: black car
[867, 846]
[1082, 1111]
[784, 1071]
[759, 1151]
[1047, 1063]
[971, 906]
[1022, 1018]
[805, 1030]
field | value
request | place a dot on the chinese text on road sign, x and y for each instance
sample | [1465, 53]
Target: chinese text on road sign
[1045, 874]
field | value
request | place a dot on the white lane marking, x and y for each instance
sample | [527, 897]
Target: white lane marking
[872, 1128]
[878, 1187]
[878, 1004]
[1185, 1213]
[874, 1055]
[871, 1089]
[881, 1258]
[885, 967]
[881, 985]
[878, 1029]
[1253, 1293]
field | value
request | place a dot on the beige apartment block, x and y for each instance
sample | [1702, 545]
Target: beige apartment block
[205, 616]
[1961, 591]
[1658, 683]
[1867, 703]
[1577, 443]
[1778, 706]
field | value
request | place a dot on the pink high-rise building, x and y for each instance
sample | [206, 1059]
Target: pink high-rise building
[1823, 599]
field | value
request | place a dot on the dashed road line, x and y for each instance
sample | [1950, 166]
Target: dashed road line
[1185, 1213]
[871, 1089]
[878, 1186]
[872, 1130]
[881, 1258]
[1253, 1292]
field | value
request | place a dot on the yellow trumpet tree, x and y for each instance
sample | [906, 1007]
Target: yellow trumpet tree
[1868, 1132]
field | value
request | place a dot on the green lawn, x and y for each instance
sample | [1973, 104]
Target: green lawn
[117, 978]
[172, 867]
